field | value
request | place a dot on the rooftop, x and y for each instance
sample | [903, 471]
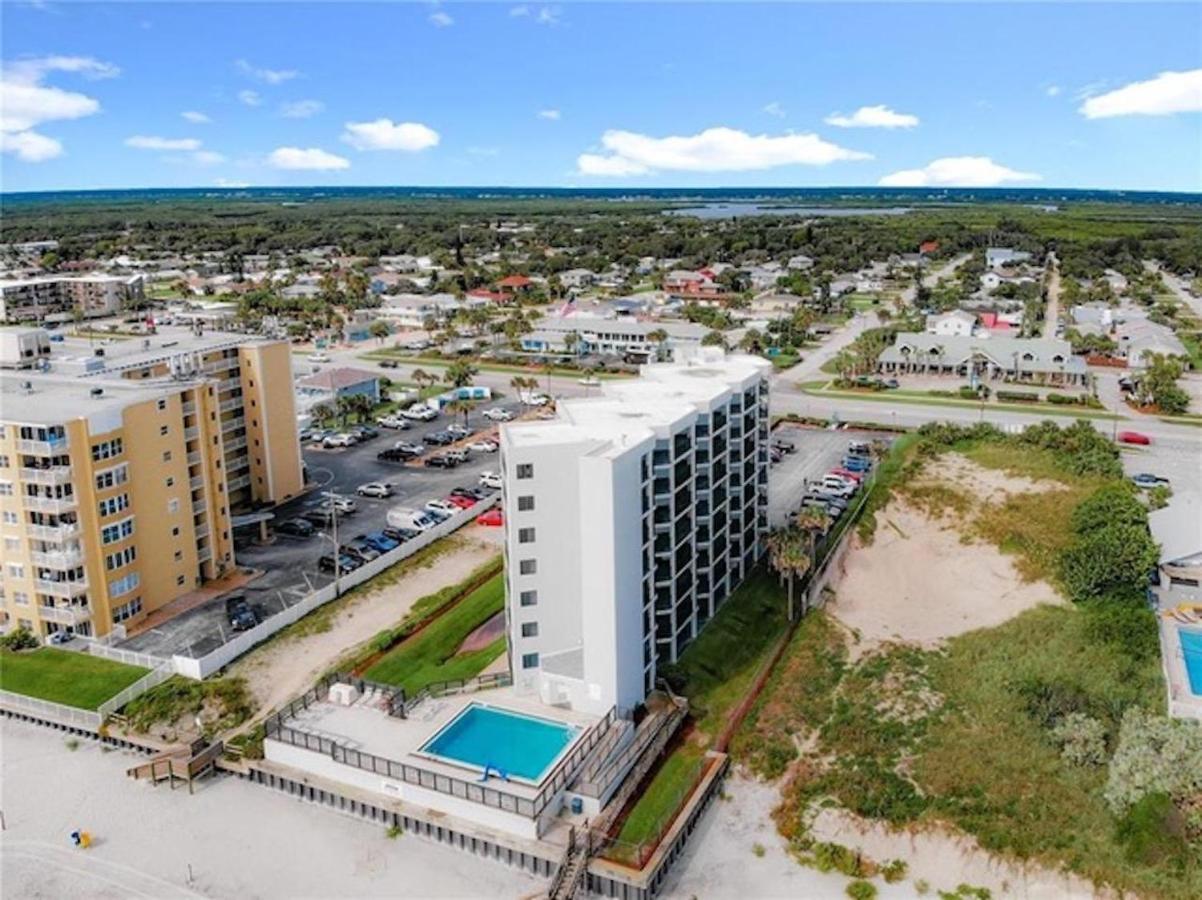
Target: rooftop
[337, 379]
[33, 398]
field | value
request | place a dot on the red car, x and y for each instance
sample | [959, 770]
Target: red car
[1134, 437]
[461, 502]
[492, 517]
[857, 477]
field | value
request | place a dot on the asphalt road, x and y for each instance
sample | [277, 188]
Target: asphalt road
[289, 564]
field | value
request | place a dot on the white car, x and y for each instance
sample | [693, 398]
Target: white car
[393, 421]
[490, 480]
[374, 489]
[589, 381]
[344, 439]
[485, 446]
[459, 430]
[420, 412]
[536, 399]
[497, 414]
[319, 358]
[344, 505]
[442, 507]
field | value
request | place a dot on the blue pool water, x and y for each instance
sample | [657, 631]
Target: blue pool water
[1191, 646]
[520, 746]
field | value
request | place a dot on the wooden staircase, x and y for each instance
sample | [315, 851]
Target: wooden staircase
[573, 870]
[187, 765]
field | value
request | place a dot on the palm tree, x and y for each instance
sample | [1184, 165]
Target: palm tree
[714, 339]
[752, 341]
[361, 406]
[788, 558]
[321, 412]
[460, 373]
[343, 407]
[422, 378]
[570, 341]
[455, 407]
[658, 337]
[378, 330]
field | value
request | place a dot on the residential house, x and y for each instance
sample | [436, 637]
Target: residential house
[996, 257]
[956, 323]
[574, 279]
[1139, 339]
[800, 263]
[328, 385]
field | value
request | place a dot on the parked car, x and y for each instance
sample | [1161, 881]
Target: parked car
[379, 541]
[409, 447]
[420, 412]
[318, 516]
[831, 500]
[392, 421]
[497, 414]
[374, 489]
[784, 446]
[442, 461]
[490, 480]
[318, 435]
[856, 463]
[812, 503]
[442, 508]
[364, 432]
[388, 364]
[1146, 480]
[400, 535]
[775, 456]
[469, 492]
[318, 358]
[342, 439]
[484, 446]
[393, 454]
[859, 448]
[536, 399]
[418, 520]
[589, 381]
[461, 501]
[835, 485]
[361, 548]
[241, 617]
[345, 564]
[439, 438]
[64, 636]
[1134, 437]
[459, 455]
[492, 517]
[297, 527]
[857, 477]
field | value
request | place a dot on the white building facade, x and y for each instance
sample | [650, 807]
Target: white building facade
[629, 519]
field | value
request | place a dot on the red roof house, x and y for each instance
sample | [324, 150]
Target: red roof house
[491, 296]
[927, 247]
[515, 282]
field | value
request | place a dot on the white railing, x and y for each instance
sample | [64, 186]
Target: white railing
[196, 481]
[199, 507]
[236, 443]
[65, 615]
[193, 457]
[204, 554]
[232, 404]
[55, 712]
[68, 589]
[228, 384]
[235, 483]
[202, 667]
[50, 504]
[191, 434]
[51, 475]
[139, 687]
[56, 533]
[231, 424]
[43, 448]
[222, 365]
[129, 657]
[59, 559]
[189, 407]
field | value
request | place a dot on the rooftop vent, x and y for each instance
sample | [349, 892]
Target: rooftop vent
[27, 387]
[97, 392]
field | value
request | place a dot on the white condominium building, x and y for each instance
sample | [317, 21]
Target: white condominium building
[629, 519]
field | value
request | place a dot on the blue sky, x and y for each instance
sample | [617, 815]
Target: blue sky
[1058, 95]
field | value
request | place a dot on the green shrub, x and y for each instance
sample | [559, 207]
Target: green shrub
[861, 890]
[1152, 833]
[1115, 560]
[894, 870]
[1082, 739]
[967, 392]
[1017, 397]
[1126, 626]
[1155, 754]
[20, 638]
[1112, 504]
[837, 858]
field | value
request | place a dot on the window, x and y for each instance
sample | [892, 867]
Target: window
[108, 449]
[530, 629]
[162, 431]
[124, 585]
[113, 505]
[528, 598]
[175, 531]
[20, 598]
[170, 481]
[162, 405]
[526, 503]
[525, 470]
[127, 610]
[16, 570]
[12, 544]
[529, 660]
[3, 461]
[120, 558]
[173, 507]
[6, 488]
[525, 535]
[528, 566]
[179, 580]
[179, 555]
[10, 517]
[112, 477]
[166, 456]
[117, 532]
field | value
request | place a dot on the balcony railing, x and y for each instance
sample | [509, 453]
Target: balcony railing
[54, 533]
[232, 404]
[52, 475]
[229, 384]
[196, 482]
[235, 443]
[68, 589]
[191, 434]
[221, 365]
[189, 407]
[231, 424]
[58, 559]
[235, 483]
[65, 615]
[199, 507]
[50, 504]
[193, 457]
[43, 448]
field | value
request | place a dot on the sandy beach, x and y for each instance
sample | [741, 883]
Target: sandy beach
[241, 840]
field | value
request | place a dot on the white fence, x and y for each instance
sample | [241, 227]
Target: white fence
[137, 689]
[203, 666]
[129, 657]
[53, 712]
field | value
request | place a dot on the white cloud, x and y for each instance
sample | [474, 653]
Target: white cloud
[29, 145]
[542, 15]
[713, 150]
[440, 19]
[196, 118]
[207, 158]
[385, 134]
[552, 115]
[774, 109]
[150, 142]
[267, 76]
[250, 98]
[879, 116]
[1052, 90]
[1167, 93]
[26, 102]
[227, 183]
[957, 171]
[312, 159]
[301, 109]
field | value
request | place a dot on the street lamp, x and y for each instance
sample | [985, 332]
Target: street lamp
[332, 497]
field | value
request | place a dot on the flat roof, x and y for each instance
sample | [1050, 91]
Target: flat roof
[55, 399]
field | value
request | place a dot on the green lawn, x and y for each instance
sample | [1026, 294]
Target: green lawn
[914, 398]
[532, 370]
[430, 656]
[61, 676]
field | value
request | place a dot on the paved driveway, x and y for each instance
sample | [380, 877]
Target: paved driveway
[818, 451]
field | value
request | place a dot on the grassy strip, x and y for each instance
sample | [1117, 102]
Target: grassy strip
[819, 389]
[62, 676]
[220, 704]
[530, 370]
[432, 654]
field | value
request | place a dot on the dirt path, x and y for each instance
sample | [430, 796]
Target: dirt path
[287, 667]
[1051, 314]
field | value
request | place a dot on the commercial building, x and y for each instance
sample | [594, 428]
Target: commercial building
[622, 336]
[985, 358]
[57, 298]
[121, 476]
[630, 518]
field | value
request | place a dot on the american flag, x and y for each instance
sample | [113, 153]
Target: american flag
[567, 306]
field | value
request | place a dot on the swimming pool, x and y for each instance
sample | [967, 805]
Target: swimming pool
[1191, 649]
[509, 743]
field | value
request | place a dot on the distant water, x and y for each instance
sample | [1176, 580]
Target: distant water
[733, 210]
[778, 196]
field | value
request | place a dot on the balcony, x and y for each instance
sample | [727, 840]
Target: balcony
[204, 553]
[52, 475]
[196, 482]
[189, 407]
[65, 615]
[235, 443]
[68, 589]
[235, 483]
[191, 434]
[229, 384]
[220, 365]
[58, 559]
[234, 423]
[199, 508]
[230, 405]
[50, 504]
[43, 448]
[54, 533]
[193, 457]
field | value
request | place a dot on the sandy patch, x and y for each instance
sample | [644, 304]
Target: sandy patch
[484, 634]
[284, 669]
[920, 581]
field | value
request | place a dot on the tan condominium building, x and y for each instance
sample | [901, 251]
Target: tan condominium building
[120, 484]
[57, 298]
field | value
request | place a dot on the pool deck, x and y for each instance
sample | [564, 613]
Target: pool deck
[1183, 703]
[371, 730]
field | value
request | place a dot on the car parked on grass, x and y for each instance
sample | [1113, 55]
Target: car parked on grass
[345, 563]
[239, 614]
[490, 480]
[497, 414]
[1134, 437]
[297, 527]
[374, 489]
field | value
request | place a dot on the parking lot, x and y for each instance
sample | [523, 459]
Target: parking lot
[817, 452]
[289, 564]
